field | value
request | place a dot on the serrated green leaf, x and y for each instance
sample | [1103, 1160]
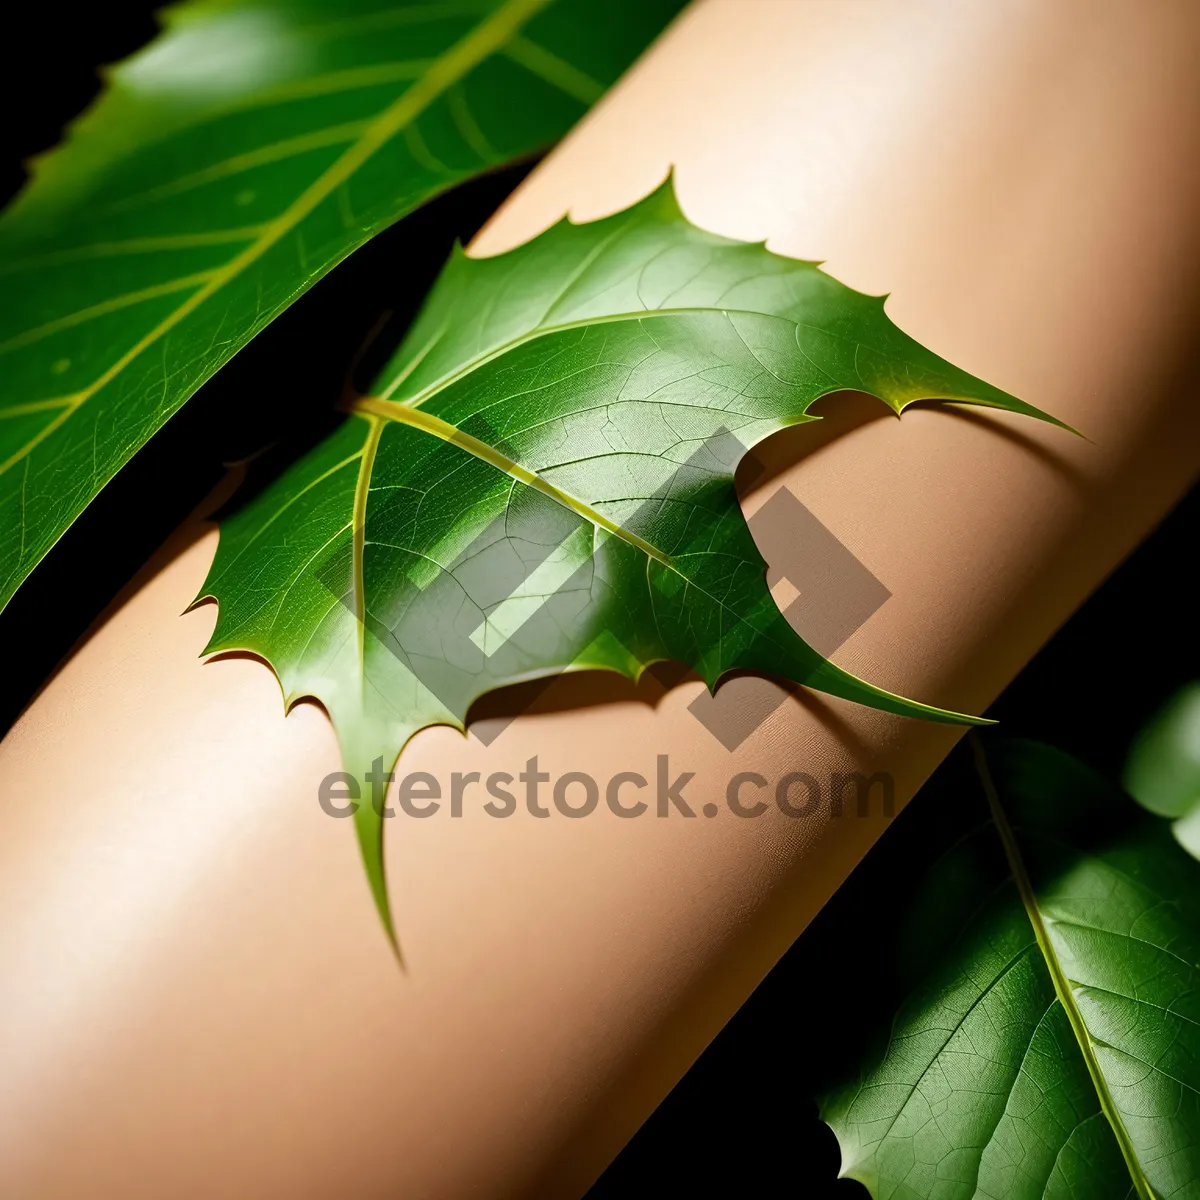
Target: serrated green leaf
[1050, 1044]
[226, 168]
[542, 480]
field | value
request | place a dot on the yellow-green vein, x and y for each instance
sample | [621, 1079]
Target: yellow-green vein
[292, 147]
[358, 532]
[537, 60]
[136, 245]
[372, 408]
[443, 73]
[111, 305]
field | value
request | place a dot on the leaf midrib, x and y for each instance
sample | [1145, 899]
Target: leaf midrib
[443, 73]
[358, 538]
[408, 412]
[1062, 985]
[377, 411]
[371, 409]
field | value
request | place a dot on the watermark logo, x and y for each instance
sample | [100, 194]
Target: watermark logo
[821, 588]
[626, 794]
[521, 588]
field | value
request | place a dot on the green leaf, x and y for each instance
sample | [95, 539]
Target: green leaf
[1162, 772]
[542, 480]
[226, 168]
[1050, 1042]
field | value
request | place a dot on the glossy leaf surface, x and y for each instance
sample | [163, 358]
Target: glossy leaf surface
[226, 168]
[1162, 772]
[1050, 1042]
[542, 480]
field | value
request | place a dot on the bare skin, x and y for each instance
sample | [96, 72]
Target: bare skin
[196, 998]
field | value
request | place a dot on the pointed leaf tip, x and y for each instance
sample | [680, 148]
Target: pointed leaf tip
[513, 363]
[368, 825]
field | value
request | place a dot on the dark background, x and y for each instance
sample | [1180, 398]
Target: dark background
[743, 1121]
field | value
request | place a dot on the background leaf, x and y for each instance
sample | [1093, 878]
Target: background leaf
[1050, 1043]
[1163, 769]
[743, 1121]
[230, 165]
[543, 480]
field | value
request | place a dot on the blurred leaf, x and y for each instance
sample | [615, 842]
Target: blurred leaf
[1162, 772]
[227, 167]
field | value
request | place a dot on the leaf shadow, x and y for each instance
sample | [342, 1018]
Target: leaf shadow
[841, 413]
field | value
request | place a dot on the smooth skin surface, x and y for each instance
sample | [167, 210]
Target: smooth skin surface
[196, 998]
